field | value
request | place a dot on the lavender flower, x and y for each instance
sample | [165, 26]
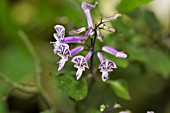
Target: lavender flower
[87, 7]
[114, 52]
[81, 64]
[60, 37]
[105, 66]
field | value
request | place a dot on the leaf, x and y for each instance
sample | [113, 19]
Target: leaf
[120, 88]
[126, 6]
[158, 61]
[77, 89]
[16, 63]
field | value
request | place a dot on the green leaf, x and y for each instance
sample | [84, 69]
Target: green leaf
[158, 61]
[16, 63]
[120, 88]
[126, 6]
[77, 89]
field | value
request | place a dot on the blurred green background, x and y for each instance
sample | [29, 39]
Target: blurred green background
[143, 32]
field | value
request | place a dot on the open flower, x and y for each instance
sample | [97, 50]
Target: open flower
[60, 37]
[64, 52]
[81, 64]
[113, 51]
[105, 66]
[87, 7]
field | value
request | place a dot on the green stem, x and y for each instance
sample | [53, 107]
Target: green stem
[28, 44]
[34, 55]
[20, 87]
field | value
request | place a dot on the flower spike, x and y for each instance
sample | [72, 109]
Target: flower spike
[113, 51]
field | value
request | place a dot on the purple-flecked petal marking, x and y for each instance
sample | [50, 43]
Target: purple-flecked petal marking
[76, 50]
[87, 7]
[60, 32]
[77, 31]
[63, 51]
[72, 39]
[106, 67]
[80, 64]
[113, 51]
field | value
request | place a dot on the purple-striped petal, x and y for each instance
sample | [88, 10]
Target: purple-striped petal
[77, 31]
[80, 64]
[100, 56]
[63, 51]
[87, 7]
[105, 67]
[60, 32]
[72, 39]
[76, 50]
[113, 51]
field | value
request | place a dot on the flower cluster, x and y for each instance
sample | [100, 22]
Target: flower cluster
[62, 49]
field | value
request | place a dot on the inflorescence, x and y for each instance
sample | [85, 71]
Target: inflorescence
[62, 49]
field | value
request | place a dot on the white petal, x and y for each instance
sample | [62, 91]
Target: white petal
[79, 73]
[104, 76]
[121, 55]
[61, 64]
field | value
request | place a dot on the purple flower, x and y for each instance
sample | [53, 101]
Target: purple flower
[60, 32]
[87, 7]
[60, 36]
[105, 66]
[81, 64]
[113, 51]
[64, 52]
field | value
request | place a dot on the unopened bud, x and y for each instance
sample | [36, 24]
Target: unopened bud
[110, 29]
[114, 17]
